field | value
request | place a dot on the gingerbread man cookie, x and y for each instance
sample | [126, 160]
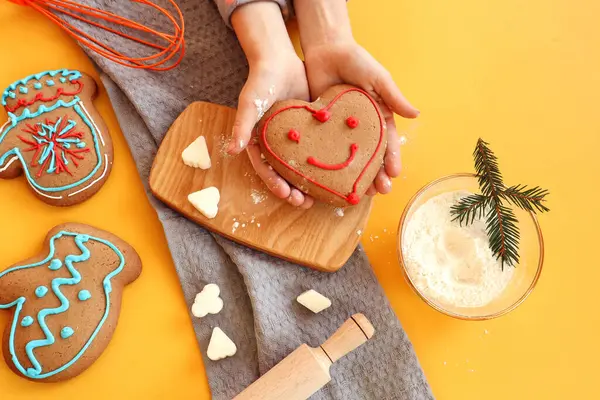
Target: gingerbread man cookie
[330, 149]
[55, 136]
[65, 302]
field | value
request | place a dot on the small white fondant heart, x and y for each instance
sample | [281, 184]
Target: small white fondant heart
[196, 154]
[220, 346]
[206, 201]
[207, 301]
[314, 301]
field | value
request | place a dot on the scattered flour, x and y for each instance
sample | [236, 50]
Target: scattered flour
[450, 263]
[261, 107]
[339, 211]
[258, 196]
[235, 226]
[224, 145]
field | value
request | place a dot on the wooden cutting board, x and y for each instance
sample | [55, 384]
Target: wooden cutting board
[318, 238]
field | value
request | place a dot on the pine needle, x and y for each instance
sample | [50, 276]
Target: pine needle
[528, 199]
[469, 208]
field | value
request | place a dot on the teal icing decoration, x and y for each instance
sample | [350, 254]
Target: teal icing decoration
[41, 291]
[55, 264]
[23, 90]
[84, 295]
[12, 95]
[37, 85]
[63, 80]
[26, 114]
[16, 152]
[50, 82]
[66, 332]
[27, 321]
[81, 145]
[65, 73]
[37, 370]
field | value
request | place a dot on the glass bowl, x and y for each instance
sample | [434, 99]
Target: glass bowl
[525, 275]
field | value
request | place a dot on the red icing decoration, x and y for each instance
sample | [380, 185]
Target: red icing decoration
[74, 154]
[352, 122]
[351, 197]
[335, 167]
[322, 115]
[294, 135]
[39, 97]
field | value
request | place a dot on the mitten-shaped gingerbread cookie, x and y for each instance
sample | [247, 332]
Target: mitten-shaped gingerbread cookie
[65, 302]
[330, 149]
[55, 136]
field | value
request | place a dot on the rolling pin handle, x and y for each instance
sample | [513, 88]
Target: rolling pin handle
[353, 333]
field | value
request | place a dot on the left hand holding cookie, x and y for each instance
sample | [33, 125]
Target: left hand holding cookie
[332, 57]
[276, 73]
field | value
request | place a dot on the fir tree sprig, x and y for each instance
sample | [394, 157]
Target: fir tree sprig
[501, 223]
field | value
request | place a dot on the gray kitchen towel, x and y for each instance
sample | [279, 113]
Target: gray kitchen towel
[259, 291]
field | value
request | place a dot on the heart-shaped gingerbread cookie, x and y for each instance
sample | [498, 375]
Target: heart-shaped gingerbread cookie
[330, 149]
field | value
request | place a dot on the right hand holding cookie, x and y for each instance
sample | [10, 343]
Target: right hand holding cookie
[276, 73]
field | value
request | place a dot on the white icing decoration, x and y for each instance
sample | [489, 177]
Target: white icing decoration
[45, 195]
[207, 301]
[12, 160]
[206, 201]
[196, 154]
[314, 301]
[93, 122]
[220, 346]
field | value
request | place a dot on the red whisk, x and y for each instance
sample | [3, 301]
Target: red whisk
[169, 48]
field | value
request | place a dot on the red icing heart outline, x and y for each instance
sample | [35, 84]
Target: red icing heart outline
[352, 197]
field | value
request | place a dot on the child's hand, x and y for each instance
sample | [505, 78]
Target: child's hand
[332, 57]
[276, 73]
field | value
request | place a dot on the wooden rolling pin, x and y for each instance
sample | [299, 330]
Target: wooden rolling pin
[306, 370]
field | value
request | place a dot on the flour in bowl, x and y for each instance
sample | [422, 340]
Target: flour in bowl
[448, 263]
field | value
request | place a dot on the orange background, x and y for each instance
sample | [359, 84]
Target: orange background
[525, 76]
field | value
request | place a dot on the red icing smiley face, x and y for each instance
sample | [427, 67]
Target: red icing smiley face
[334, 167]
[352, 122]
[342, 146]
[294, 135]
